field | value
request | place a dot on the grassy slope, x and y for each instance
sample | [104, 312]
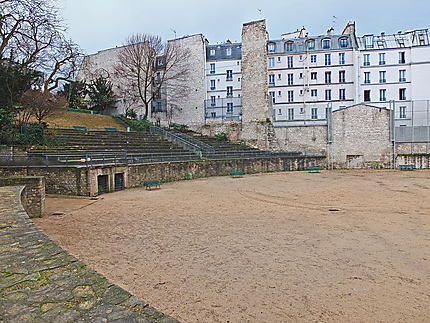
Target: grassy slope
[65, 119]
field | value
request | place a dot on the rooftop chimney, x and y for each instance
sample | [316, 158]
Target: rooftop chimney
[330, 32]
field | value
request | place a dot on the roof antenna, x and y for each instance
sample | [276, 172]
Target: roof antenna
[260, 11]
[174, 31]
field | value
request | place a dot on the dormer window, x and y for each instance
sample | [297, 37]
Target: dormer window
[368, 41]
[289, 46]
[343, 42]
[326, 43]
[422, 39]
[311, 44]
[271, 48]
[212, 52]
[228, 51]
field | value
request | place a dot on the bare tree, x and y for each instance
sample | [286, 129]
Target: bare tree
[40, 105]
[147, 65]
[32, 34]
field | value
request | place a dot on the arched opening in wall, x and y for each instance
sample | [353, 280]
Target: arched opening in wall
[343, 42]
[326, 43]
[310, 44]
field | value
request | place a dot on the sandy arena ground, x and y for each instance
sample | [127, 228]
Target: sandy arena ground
[284, 247]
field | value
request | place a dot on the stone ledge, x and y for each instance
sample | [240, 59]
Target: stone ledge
[40, 282]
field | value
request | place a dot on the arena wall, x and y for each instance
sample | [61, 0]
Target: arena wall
[32, 194]
[361, 137]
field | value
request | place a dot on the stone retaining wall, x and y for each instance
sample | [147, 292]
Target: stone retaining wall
[40, 282]
[84, 181]
[33, 194]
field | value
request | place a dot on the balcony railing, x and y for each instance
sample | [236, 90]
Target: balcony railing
[228, 109]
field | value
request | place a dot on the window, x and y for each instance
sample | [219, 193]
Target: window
[314, 113]
[290, 79]
[301, 58]
[327, 77]
[279, 76]
[313, 58]
[279, 111]
[213, 114]
[212, 68]
[290, 114]
[229, 75]
[402, 94]
[343, 42]
[311, 44]
[341, 76]
[327, 59]
[271, 48]
[290, 61]
[328, 95]
[271, 80]
[272, 94]
[368, 41]
[290, 96]
[228, 51]
[342, 94]
[402, 113]
[402, 76]
[381, 58]
[289, 46]
[279, 93]
[366, 95]
[341, 58]
[212, 85]
[300, 75]
[366, 59]
[229, 91]
[213, 101]
[367, 77]
[313, 75]
[271, 62]
[212, 52]
[402, 58]
[421, 38]
[230, 107]
[382, 95]
[314, 92]
[382, 78]
[279, 59]
[326, 43]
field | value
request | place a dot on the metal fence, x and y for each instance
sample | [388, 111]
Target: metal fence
[91, 158]
[88, 159]
[411, 121]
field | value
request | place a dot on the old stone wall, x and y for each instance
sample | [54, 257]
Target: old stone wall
[302, 138]
[361, 137]
[58, 180]
[412, 148]
[420, 161]
[33, 194]
[185, 98]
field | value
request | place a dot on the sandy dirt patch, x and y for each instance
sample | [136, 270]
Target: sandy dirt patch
[282, 247]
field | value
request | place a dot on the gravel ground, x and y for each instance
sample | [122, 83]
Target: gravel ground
[281, 247]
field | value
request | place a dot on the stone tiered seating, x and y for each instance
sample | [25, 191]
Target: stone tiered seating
[112, 141]
[221, 145]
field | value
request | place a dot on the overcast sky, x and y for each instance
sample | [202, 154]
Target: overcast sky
[101, 24]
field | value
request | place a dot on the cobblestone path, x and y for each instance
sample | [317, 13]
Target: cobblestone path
[40, 282]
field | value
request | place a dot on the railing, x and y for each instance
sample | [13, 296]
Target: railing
[175, 138]
[204, 147]
[87, 159]
[91, 158]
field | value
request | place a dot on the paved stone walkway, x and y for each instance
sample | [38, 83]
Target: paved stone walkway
[40, 282]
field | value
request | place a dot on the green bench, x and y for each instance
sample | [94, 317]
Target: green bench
[314, 169]
[150, 184]
[111, 129]
[80, 128]
[236, 174]
[407, 167]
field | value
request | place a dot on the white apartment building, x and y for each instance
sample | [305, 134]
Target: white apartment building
[223, 82]
[393, 73]
[307, 75]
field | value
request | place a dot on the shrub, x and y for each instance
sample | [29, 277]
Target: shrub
[221, 136]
